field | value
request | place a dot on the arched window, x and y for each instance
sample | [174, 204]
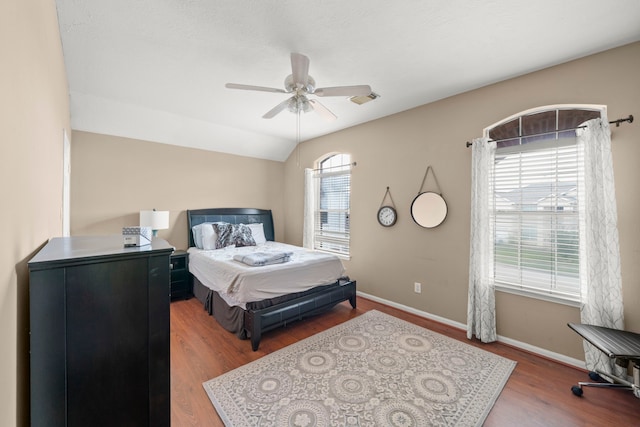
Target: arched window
[331, 216]
[541, 123]
[537, 193]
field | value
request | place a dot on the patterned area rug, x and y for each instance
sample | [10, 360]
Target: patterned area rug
[374, 370]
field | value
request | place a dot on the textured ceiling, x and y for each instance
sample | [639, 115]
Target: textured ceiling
[156, 69]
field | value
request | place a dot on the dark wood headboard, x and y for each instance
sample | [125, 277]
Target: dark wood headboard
[232, 216]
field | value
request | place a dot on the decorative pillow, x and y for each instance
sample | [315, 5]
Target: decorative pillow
[242, 235]
[257, 231]
[233, 234]
[223, 231]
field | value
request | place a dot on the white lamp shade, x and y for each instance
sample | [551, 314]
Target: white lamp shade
[156, 220]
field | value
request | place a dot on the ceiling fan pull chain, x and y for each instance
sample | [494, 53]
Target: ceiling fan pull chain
[298, 138]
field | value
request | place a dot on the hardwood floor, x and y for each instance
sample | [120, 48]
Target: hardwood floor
[538, 392]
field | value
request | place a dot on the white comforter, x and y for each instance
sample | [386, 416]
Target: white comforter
[238, 283]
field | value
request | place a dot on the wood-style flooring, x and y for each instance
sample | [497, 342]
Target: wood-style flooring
[538, 392]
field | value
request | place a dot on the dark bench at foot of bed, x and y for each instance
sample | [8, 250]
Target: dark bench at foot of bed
[258, 321]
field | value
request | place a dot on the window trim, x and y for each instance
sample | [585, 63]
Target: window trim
[540, 295]
[348, 168]
[66, 184]
[595, 107]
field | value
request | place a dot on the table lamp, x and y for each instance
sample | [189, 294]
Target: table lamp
[156, 220]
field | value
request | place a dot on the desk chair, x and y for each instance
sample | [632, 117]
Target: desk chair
[623, 346]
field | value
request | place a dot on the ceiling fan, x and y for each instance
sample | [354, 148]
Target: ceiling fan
[301, 84]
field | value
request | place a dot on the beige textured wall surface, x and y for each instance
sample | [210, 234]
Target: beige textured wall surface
[114, 178]
[34, 110]
[395, 151]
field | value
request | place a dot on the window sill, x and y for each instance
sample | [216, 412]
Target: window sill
[341, 256]
[538, 295]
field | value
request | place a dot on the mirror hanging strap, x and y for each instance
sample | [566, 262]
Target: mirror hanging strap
[429, 168]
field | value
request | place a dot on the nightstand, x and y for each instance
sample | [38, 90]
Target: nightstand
[180, 281]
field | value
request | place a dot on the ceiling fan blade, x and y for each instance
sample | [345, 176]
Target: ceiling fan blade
[249, 87]
[277, 109]
[361, 90]
[299, 69]
[322, 110]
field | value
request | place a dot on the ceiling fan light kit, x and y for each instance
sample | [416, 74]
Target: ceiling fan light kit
[301, 85]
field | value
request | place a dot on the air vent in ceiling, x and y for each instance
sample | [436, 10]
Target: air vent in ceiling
[364, 99]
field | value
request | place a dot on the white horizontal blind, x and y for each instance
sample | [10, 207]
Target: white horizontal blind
[536, 214]
[332, 218]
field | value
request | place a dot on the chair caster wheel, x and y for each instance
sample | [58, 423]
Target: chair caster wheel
[577, 390]
[595, 376]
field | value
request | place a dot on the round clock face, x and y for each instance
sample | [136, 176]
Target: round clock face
[387, 216]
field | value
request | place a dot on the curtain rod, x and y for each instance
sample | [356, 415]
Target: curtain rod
[617, 123]
[351, 165]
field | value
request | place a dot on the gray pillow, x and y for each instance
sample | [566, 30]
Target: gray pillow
[233, 234]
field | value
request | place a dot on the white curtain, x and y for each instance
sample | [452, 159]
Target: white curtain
[309, 208]
[602, 284]
[481, 319]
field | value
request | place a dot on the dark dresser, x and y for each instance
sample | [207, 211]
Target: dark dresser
[99, 333]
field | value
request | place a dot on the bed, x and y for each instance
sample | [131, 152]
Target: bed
[250, 300]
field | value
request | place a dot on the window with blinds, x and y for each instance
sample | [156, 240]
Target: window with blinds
[537, 195]
[332, 216]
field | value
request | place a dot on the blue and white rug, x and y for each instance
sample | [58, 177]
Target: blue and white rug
[374, 370]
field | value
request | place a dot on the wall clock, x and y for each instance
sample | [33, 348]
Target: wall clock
[387, 214]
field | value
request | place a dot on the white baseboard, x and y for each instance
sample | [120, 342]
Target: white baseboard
[518, 344]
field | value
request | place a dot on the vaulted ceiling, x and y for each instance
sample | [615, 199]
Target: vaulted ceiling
[156, 69]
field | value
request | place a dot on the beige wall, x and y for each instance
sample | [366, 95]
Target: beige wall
[114, 178]
[395, 152]
[34, 110]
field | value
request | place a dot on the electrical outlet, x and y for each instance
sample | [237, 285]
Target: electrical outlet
[417, 287]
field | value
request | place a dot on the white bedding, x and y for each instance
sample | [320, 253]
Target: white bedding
[238, 283]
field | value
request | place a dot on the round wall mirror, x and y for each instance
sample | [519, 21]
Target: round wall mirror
[428, 209]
